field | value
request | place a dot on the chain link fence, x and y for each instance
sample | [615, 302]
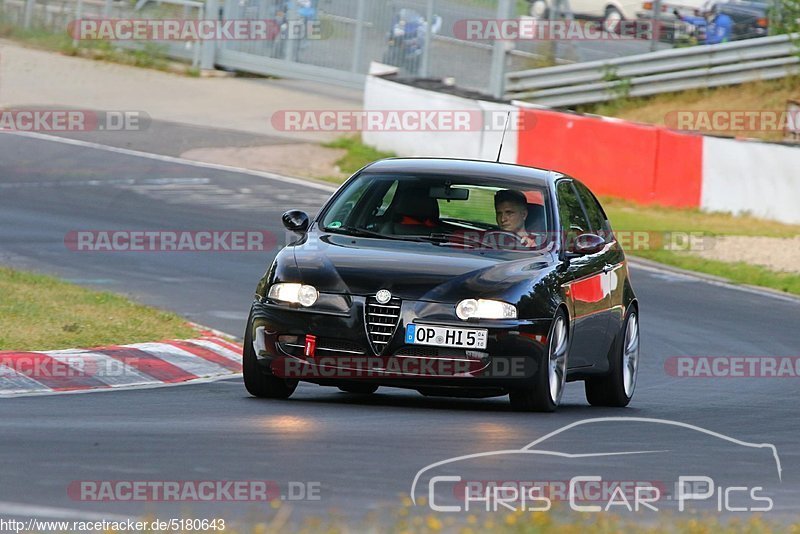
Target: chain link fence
[417, 36]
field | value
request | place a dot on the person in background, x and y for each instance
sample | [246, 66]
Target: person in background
[717, 26]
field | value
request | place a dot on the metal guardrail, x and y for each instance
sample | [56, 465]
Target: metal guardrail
[658, 72]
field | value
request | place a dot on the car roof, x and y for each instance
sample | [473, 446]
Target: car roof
[464, 168]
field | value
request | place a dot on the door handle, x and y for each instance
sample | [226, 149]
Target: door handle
[608, 268]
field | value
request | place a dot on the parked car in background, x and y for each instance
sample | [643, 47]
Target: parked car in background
[608, 12]
[750, 18]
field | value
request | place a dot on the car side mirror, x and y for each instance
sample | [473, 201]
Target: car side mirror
[295, 221]
[589, 244]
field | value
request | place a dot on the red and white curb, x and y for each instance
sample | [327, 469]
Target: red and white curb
[118, 366]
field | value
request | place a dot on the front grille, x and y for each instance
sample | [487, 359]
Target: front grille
[381, 321]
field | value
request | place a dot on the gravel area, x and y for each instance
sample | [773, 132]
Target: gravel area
[775, 253]
[304, 159]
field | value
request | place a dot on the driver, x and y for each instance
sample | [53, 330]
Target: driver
[511, 210]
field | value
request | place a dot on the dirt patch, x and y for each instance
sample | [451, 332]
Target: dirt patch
[774, 253]
[301, 159]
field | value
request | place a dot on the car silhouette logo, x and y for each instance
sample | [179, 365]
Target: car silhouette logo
[383, 296]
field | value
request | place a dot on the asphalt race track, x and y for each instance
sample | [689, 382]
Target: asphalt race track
[364, 452]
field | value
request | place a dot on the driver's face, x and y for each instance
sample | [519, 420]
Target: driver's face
[511, 216]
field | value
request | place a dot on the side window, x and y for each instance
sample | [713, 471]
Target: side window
[573, 220]
[597, 217]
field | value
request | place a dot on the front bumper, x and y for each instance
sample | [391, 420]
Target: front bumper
[342, 351]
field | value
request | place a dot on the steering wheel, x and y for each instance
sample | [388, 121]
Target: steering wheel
[493, 239]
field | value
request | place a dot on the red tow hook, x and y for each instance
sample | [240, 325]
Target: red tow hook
[311, 345]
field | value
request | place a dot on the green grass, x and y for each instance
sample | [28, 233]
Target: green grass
[151, 55]
[767, 95]
[357, 155]
[739, 272]
[629, 217]
[36, 37]
[43, 313]
[625, 215]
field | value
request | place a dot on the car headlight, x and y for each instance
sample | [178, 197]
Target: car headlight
[485, 309]
[294, 293]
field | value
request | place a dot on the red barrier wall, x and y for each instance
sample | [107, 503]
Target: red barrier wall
[646, 164]
[679, 169]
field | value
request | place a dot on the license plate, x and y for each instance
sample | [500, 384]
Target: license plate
[443, 336]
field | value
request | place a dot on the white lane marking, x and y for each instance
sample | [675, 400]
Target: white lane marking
[181, 358]
[234, 315]
[214, 331]
[147, 182]
[101, 367]
[224, 197]
[219, 349]
[719, 283]
[171, 159]
[32, 510]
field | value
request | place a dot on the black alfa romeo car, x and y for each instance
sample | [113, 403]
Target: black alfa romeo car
[450, 277]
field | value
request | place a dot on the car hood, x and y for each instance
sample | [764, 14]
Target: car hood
[417, 271]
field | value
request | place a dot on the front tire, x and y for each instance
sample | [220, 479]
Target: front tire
[257, 380]
[545, 393]
[616, 389]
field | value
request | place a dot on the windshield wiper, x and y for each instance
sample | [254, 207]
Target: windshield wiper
[359, 232]
[445, 239]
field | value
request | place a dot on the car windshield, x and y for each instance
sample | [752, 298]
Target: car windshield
[468, 213]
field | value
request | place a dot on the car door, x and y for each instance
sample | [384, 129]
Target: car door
[613, 257]
[583, 284]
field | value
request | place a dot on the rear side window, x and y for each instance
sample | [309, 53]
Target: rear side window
[597, 217]
[573, 220]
